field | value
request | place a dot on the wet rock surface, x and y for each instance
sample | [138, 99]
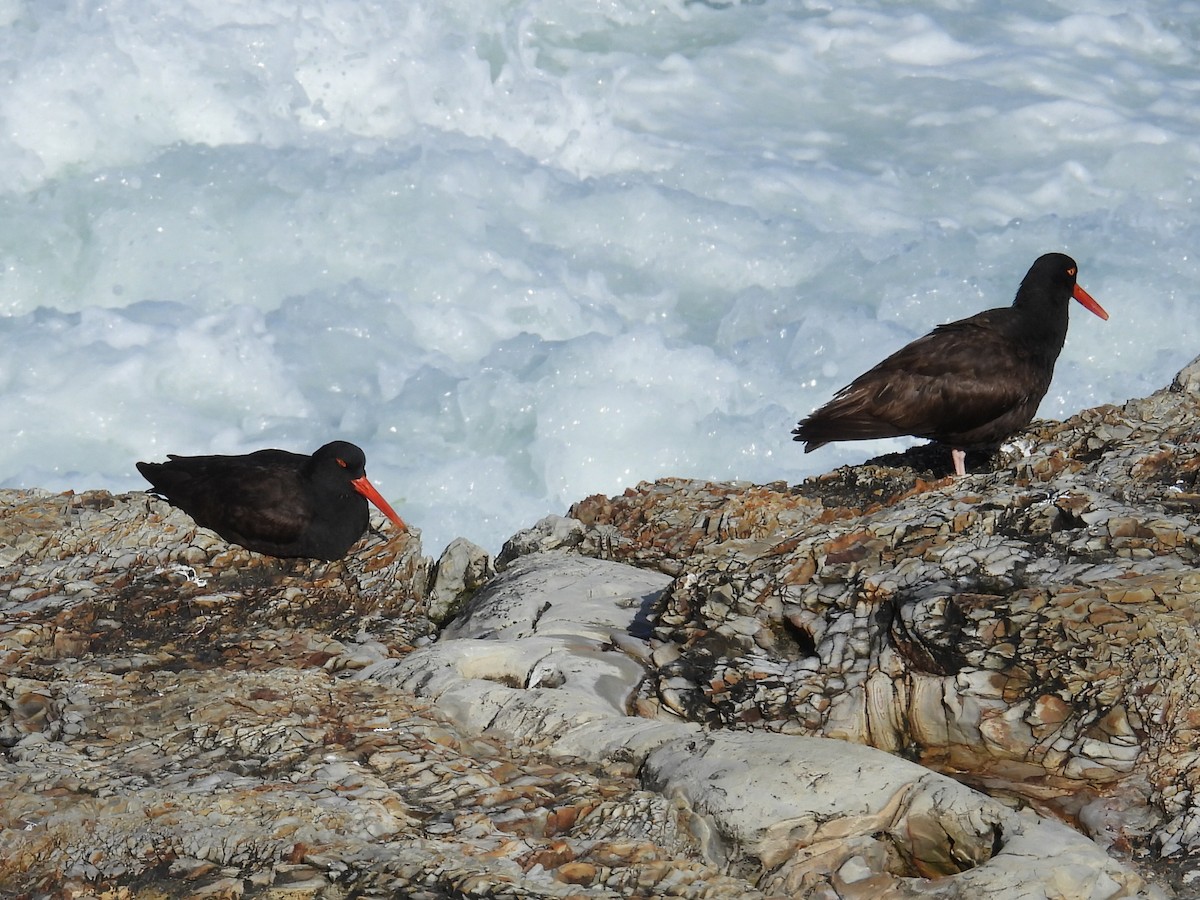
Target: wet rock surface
[877, 683]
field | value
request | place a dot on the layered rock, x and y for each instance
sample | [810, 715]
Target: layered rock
[880, 683]
[549, 656]
[178, 715]
[1031, 631]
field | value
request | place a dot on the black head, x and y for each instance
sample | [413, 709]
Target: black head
[341, 459]
[343, 455]
[1050, 278]
[1051, 282]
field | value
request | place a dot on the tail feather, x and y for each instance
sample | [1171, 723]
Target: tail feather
[817, 430]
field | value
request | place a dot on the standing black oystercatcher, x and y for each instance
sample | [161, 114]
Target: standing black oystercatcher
[273, 501]
[969, 384]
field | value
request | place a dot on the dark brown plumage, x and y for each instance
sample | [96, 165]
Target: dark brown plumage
[273, 501]
[969, 384]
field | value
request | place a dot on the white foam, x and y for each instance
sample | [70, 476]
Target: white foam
[526, 253]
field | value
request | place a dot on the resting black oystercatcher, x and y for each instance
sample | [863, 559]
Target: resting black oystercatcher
[969, 384]
[273, 501]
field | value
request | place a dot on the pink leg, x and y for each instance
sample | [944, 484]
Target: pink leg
[960, 461]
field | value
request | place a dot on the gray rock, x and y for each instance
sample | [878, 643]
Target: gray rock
[1188, 378]
[461, 570]
[550, 533]
[791, 814]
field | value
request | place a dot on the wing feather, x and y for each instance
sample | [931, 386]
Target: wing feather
[959, 380]
[252, 498]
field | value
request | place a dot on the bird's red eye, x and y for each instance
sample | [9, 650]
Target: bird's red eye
[341, 462]
[1071, 271]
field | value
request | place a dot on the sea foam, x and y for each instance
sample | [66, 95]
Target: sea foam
[522, 252]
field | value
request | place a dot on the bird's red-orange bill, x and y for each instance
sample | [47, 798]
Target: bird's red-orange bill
[367, 489]
[1089, 304]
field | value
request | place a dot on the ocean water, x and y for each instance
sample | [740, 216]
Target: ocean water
[523, 251]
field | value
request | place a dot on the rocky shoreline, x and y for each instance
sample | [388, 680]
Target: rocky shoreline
[877, 683]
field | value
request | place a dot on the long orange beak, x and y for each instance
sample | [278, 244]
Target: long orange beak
[367, 489]
[1089, 304]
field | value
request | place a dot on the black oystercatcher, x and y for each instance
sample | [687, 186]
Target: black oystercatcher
[969, 384]
[273, 501]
